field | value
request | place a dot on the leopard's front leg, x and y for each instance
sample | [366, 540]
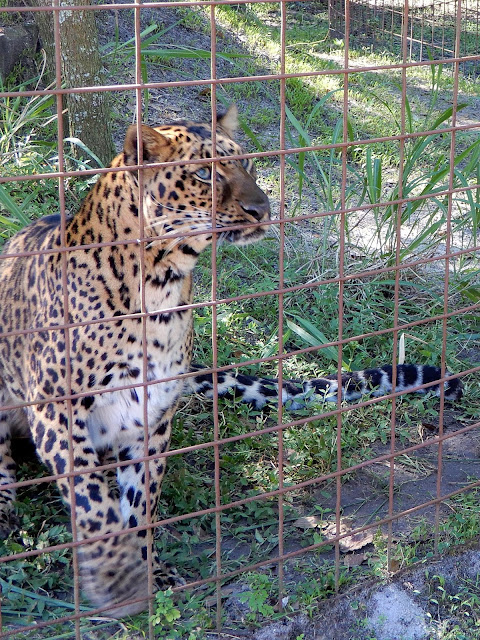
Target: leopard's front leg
[134, 492]
[113, 570]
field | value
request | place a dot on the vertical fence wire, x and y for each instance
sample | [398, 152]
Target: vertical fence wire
[448, 241]
[214, 338]
[432, 30]
[281, 309]
[398, 241]
[143, 303]
[341, 288]
[63, 217]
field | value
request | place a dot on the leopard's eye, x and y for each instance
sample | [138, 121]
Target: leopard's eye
[245, 163]
[204, 173]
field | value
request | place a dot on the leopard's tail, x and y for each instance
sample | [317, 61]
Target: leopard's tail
[296, 393]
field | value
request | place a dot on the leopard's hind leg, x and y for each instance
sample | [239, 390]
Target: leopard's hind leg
[12, 421]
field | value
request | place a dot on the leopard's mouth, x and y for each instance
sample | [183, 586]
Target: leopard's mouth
[243, 236]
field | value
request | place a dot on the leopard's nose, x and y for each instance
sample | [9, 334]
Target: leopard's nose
[258, 207]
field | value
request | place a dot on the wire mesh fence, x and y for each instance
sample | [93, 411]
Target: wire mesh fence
[370, 164]
[430, 33]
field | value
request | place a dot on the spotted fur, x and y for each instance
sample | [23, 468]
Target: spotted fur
[104, 285]
[296, 394]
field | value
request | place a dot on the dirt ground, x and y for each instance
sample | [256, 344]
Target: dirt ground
[400, 609]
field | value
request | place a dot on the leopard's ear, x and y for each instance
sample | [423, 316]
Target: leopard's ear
[156, 147]
[228, 123]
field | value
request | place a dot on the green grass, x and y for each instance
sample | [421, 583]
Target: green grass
[250, 329]
[28, 146]
[309, 49]
[314, 116]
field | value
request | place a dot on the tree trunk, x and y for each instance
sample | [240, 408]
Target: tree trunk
[88, 113]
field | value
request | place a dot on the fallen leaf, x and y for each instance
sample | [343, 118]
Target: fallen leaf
[308, 522]
[330, 530]
[354, 559]
[357, 541]
[394, 565]
[174, 533]
[349, 543]
[211, 601]
[277, 607]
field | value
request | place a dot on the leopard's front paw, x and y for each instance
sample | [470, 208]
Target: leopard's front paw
[9, 521]
[166, 576]
[113, 573]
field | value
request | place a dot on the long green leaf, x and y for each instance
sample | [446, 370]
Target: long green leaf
[10, 205]
[445, 115]
[320, 104]
[429, 231]
[169, 54]
[77, 142]
[6, 587]
[314, 337]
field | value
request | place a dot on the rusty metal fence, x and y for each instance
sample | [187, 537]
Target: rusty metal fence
[423, 34]
[430, 33]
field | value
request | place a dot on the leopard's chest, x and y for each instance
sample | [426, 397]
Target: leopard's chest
[145, 356]
[150, 389]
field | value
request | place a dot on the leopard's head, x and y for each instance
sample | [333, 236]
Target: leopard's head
[179, 199]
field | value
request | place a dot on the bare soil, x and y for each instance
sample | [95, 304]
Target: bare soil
[402, 608]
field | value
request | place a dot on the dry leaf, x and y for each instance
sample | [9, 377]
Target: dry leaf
[277, 607]
[354, 559]
[201, 533]
[174, 533]
[330, 530]
[308, 522]
[394, 565]
[349, 543]
[211, 601]
[357, 541]
[288, 454]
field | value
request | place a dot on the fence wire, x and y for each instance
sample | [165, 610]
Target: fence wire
[354, 221]
[430, 33]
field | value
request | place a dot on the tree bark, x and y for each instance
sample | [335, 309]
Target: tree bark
[88, 113]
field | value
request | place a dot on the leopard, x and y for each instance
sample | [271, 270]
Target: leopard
[96, 331]
[96, 341]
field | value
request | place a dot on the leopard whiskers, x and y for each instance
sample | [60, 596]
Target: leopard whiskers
[199, 228]
[168, 207]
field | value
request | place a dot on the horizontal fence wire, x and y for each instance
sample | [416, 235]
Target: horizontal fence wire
[342, 187]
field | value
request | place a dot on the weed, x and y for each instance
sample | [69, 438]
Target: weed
[454, 602]
[178, 621]
[27, 147]
[152, 51]
[165, 610]
[258, 595]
